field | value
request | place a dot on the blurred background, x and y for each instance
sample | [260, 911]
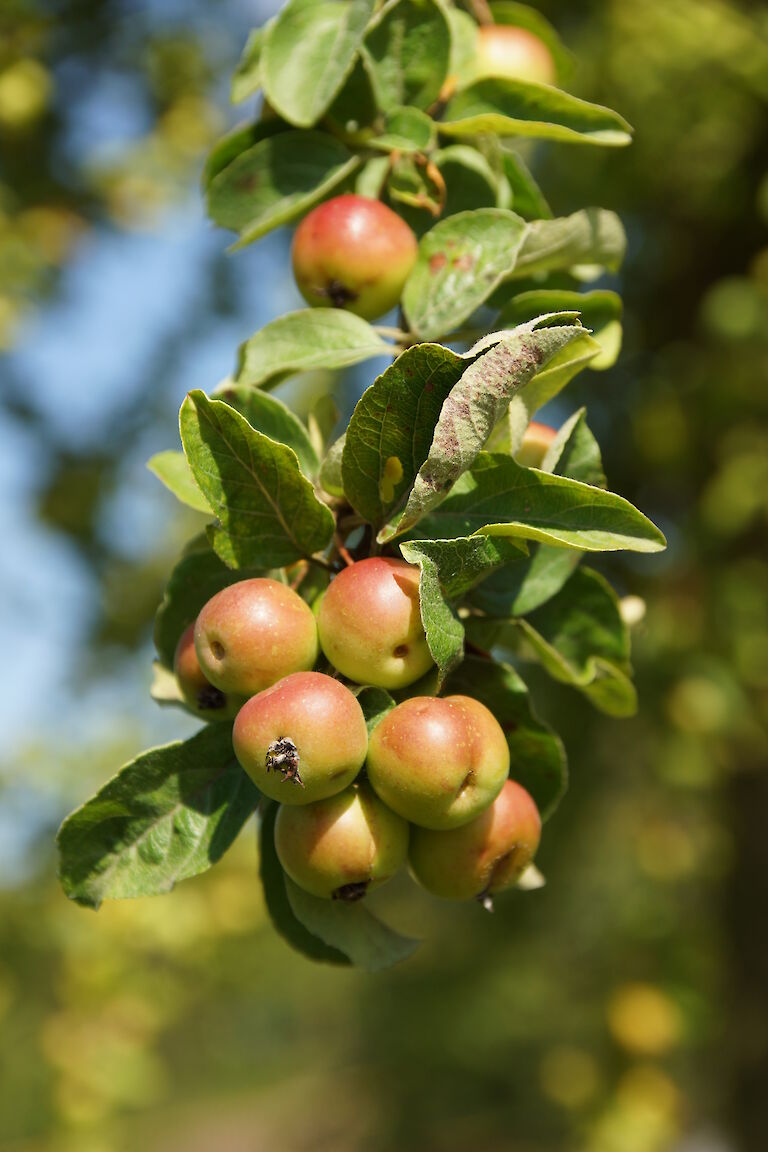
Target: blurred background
[623, 1008]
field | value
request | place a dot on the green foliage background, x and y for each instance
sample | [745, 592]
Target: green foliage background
[624, 1008]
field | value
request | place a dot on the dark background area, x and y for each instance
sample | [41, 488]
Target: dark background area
[624, 1007]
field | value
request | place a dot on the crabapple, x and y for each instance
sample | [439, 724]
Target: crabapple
[438, 761]
[536, 440]
[342, 846]
[303, 739]
[370, 626]
[514, 53]
[252, 633]
[484, 856]
[354, 253]
[198, 692]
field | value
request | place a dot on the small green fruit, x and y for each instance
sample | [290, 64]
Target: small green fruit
[438, 762]
[341, 847]
[303, 739]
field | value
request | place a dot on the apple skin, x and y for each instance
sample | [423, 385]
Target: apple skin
[325, 723]
[354, 253]
[369, 623]
[536, 441]
[341, 847]
[199, 694]
[438, 761]
[252, 633]
[513, 53]
[482, 857]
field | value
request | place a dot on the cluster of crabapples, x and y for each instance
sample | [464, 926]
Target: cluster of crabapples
[430, 785]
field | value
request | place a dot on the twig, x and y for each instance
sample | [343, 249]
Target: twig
[342, 551]
[481, 11]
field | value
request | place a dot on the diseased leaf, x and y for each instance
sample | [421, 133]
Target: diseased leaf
[276, 898]
[558, 372]
[499, 498]
[473, 408]
[197, 576]
[276, 180]
[269, 415]
[308, 52]
[172, 470]
[351, 929]
[168, 815]
[305, 340]
[392, 427]
[537, 755]
[268, 512]
[600, 312]
[520, 108]
[461, 261]
[407, 51]
[592, 236]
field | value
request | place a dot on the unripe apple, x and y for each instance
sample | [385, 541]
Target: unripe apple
[208, 702]
[252, 633]
[438, 762]
[482, 857]
[303, 739]
[514, 53]
[340, 847]
[354, 253]
[536, 440]
[370, 626]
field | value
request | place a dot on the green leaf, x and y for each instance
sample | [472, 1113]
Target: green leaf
[164, 689]
[276, 898]
[306, 340]
[269, 415]
[351, 929]
[574, 452]
[268, 512]
[463, 42]
[196, 577]
[330, 473]
[308, 52]
[578, 636]
[527, 198]
[276, 180]
[461, 261]
[172, 470]
[525, 583]
[472, 410]
[168, 815]
[469, 179]
[392, 427]
[405, 130]
[372, 177]
[519, 108]
[408, 51]
[499, 498]
[537, 755]
[239, 140]
[246, 79]
[600, 312]
[442, 626]
[592, 237]
[375, 703]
